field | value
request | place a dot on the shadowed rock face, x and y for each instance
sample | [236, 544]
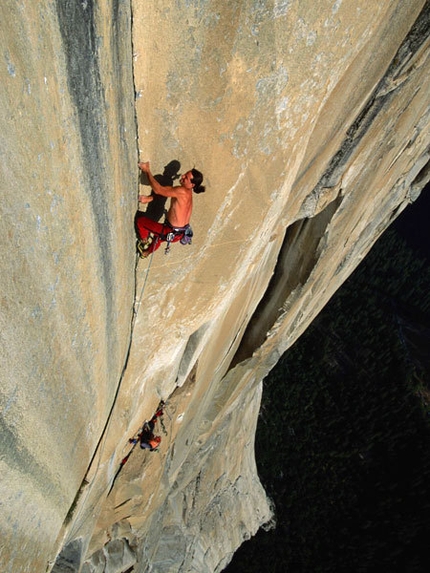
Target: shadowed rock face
[310, 123]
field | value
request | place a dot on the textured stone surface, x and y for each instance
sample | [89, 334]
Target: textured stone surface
[68, 177]
[310, 122]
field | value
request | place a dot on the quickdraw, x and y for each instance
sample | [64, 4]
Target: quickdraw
[186, 239]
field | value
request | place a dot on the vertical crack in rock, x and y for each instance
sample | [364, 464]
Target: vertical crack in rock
[297, 258]
[64, 555]
[302, 245]
[78, 30]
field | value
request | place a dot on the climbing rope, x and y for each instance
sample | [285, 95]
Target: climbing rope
[100, 445]
[137, 303]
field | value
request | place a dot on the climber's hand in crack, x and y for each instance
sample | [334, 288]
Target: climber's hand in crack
[145, 198]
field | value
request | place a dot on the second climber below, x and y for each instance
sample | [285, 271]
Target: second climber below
[176, 226]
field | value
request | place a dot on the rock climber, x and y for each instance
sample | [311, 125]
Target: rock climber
[176, 226]
[148, 441]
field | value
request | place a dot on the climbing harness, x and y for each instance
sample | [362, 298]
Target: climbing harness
[185, 232]
[147, 246]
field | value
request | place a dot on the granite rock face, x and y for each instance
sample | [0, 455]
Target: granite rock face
[68, 180]
[310, 122]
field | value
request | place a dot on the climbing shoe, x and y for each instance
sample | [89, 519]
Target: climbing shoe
[142, 247]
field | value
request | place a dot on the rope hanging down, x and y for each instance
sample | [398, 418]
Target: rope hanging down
[137, 304]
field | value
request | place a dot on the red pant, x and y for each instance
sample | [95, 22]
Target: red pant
[145, 227]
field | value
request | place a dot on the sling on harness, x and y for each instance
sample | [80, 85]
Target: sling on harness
[185, 234]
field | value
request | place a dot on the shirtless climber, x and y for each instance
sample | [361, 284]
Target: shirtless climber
[177, 224]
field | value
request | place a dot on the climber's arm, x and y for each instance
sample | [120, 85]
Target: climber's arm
[157, 188]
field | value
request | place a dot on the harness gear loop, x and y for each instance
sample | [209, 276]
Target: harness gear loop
[185, 233]
[169, 238]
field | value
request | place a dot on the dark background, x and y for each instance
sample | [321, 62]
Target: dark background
[342, 443]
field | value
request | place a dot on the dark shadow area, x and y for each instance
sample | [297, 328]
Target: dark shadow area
[156, 209]
[413, 222]
[297, 258]
[70, 558]
[342, 442]
[189, 358]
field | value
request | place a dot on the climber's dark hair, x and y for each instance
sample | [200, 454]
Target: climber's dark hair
[197, 180]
